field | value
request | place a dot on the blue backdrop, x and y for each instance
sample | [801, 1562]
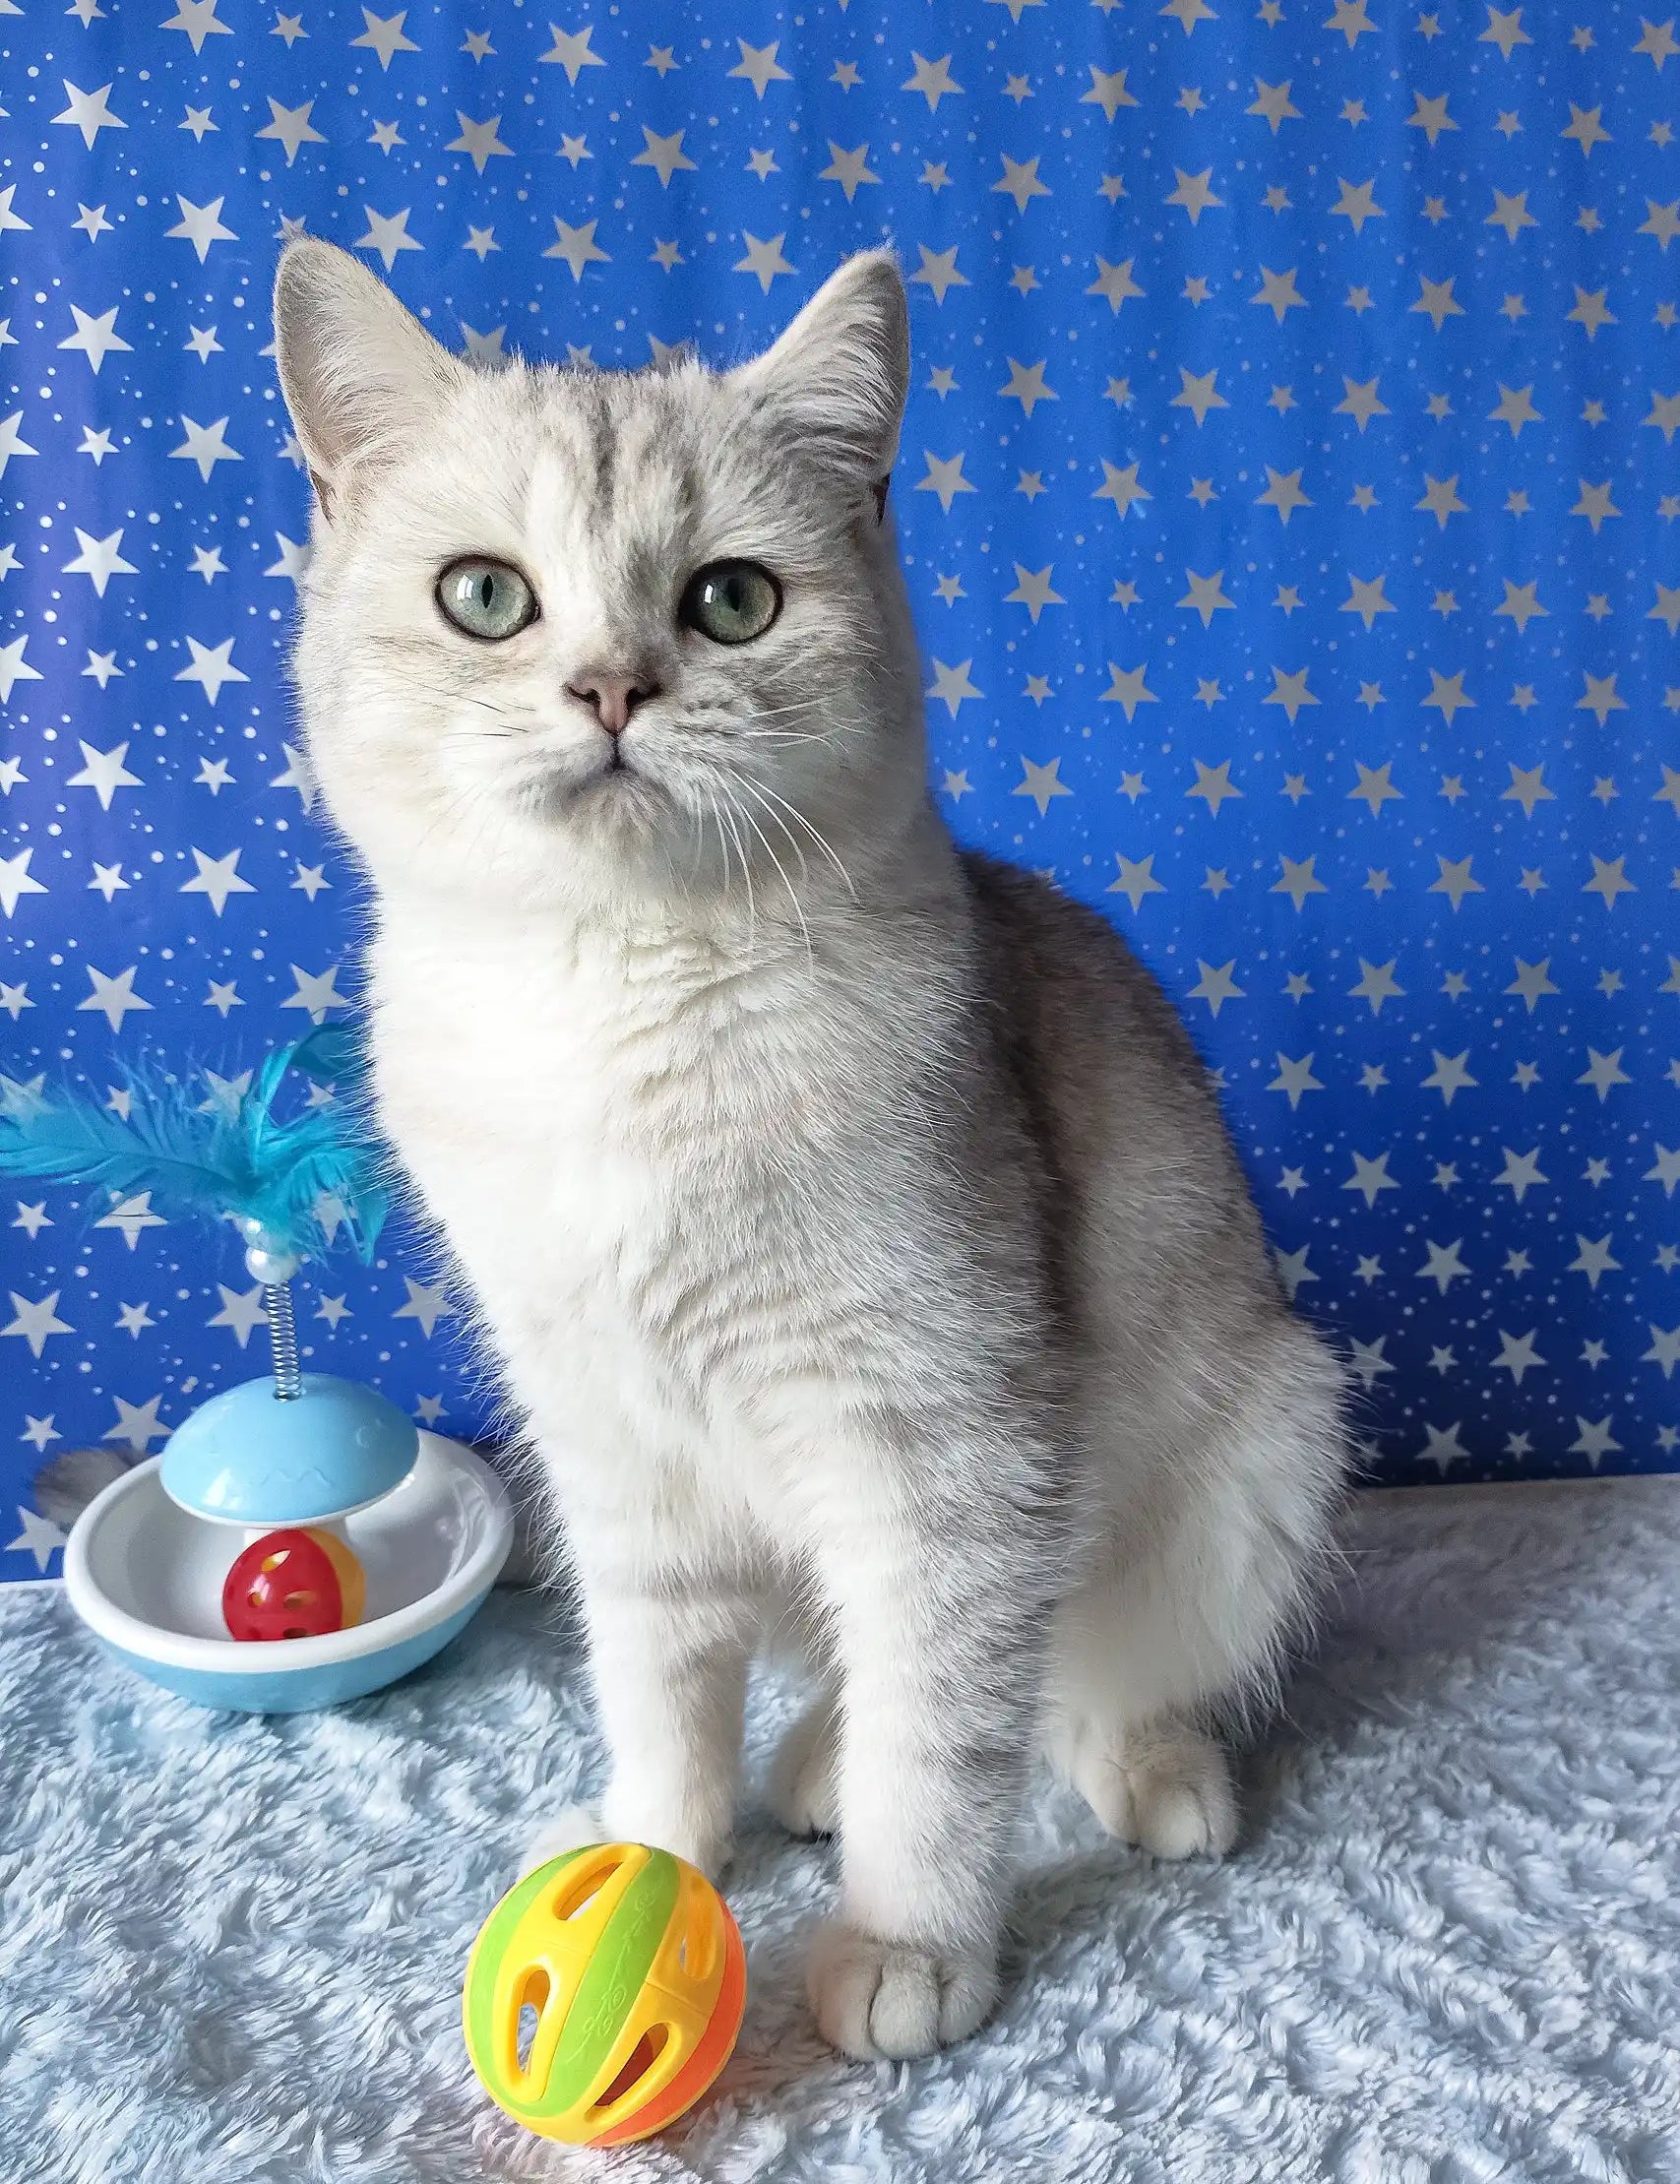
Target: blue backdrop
[1288, 495]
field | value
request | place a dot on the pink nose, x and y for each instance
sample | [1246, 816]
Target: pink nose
[613, 698]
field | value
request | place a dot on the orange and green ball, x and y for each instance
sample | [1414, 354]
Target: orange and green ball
[604, 1994]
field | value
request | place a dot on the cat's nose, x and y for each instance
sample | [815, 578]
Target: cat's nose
[613, 698]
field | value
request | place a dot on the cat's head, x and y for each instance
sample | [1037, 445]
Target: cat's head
[603, 639]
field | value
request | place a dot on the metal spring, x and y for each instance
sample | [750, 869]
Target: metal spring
[282, 1341]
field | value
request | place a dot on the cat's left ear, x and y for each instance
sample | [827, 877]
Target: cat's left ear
[836, 380]
[359, 373]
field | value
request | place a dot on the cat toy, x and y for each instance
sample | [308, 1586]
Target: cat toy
[604, 1994]
[292, 1464]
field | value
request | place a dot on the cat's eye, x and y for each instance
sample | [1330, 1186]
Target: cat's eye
[486, 598]
[730, 601]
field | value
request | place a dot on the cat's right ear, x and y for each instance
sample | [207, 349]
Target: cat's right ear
[359, 373]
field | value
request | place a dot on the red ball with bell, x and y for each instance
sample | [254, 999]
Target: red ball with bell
[297, 1583]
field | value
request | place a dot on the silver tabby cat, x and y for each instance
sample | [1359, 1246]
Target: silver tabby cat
[851, 1216]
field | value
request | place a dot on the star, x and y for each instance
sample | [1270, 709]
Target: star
[480, 242]
[1658, 43]
[1350, 17]
[1292, 1268]
[1369, 1177]
[137, 1423]
[88, 112]
[1212, 782]
[205, 445]
[108, 879]
[11, 443]
[933, 78]
[105, 773]
[1595, 504]
[665, 156]
[1447, 695]
[1298, 881]
[15, 881]
[1033, 591]
[578, 247]
[1520, 1173]
[1193, 194]
[113, 998]
[938, 271]
[1136, 880]
[1279, 291]
[1041, 784]
[1108, 91]
[1272, 105]
[101, 666]
[1528, 788]
[481, 143]
[1511, 213]
[1189, 12]
[1595, 1440]
[1206, 595]
[1019, 181]
[427, 1305]
[1586, 128]
[317, 992]
[1377, 984]
[296, 775]
[216, 877]
[131, 1216]
[35, 1323]
[204, 343]
[199, 122]
[96, 337]
[1357, 204]
[134, 1319]
[1431, 116]
[1599, 698]
[1216, 986]
[1609, 880]
[197, 18]
[1448, 1076]
[1504, 30]
[39, 1539]
[1294, 1078]
[241, 1312]
[1455, 881]
[1290, 692]
[1375, 788]
[1027, 385]
[952, 685]
[1442, 1265]
[1282, 493]
[9, 218]
[1197, 395]
[1368, 600]
[1590, 311]
[388, 233]
[764, 260]
[1514, 408]
[1114, 284]
[1667, 610]
[98, 560]
[758, 65]
[201, 226]
[211, 666]
[14, 669]
[290, 127]
[849, 170]
[1127, 689]
[1435, 301]
[384, 35]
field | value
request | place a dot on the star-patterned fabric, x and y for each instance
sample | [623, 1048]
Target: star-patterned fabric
[1288, 498]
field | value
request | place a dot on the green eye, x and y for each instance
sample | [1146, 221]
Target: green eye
[732, 601]
[486, 598]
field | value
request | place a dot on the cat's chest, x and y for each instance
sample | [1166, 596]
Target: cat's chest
[584, 1116]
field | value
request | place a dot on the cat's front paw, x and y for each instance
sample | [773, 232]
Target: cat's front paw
[876, 1998]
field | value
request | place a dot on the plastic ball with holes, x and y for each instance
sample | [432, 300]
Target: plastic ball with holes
[604, 1994]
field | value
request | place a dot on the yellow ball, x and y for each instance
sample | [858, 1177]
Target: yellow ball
[604, 1994]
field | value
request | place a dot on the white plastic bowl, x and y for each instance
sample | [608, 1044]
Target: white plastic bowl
[145, 1577]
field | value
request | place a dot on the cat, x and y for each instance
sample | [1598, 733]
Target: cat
[851, 1216]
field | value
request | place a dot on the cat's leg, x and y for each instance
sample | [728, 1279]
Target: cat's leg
[1209, 1569]
[804, 1777]
[938, 1615]
[668, 1647]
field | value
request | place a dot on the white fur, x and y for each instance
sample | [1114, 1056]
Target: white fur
[697, 1067]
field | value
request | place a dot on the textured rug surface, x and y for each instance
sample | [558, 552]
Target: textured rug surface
[1447, 1951]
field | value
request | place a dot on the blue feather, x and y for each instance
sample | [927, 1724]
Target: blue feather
[209, 1160]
